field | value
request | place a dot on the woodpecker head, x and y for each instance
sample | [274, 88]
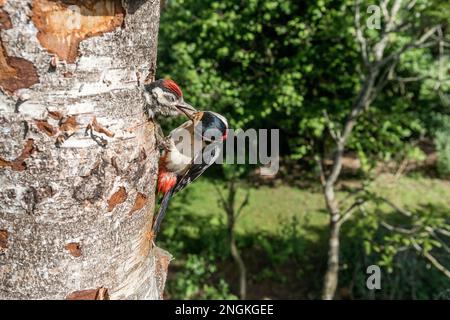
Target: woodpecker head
[165, 97]
[211, 126]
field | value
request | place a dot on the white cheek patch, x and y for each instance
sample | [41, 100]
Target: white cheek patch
[159, 94]
[148, 98]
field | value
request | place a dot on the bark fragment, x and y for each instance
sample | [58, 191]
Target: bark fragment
[139, 202]
[55, 115]
[162, 265]
[68, 125]
[15, 73]
[3, 240]
[100, 129]
[46, 127]
[63, 25]
[95, 126]
[19, 164]
[117, 198]
[90, 294]
[5, 21]
[74, 249]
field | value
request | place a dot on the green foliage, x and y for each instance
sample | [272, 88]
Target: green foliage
[443, 146]
[192, 282]
[254, 61]
[405, 273]
[280, 64]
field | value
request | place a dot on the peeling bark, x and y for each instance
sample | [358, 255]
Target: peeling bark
[78, 184]
[139, 202]
[91, 294]
[15, 72]
[63, 25]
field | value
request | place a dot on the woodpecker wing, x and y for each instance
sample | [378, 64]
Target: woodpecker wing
[200, 163]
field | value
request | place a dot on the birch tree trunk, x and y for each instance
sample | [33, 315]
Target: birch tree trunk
[77, 171]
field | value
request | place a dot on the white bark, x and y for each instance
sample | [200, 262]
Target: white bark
[77, 183]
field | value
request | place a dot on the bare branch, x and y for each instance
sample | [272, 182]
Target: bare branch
[399, 229]
[421, 42]
[318, 160]
[384, 10]
[359, 106]
[390, 18]
[395, 207]
[219, 192]
[441, 68]
[412, 79]
[430, 258]
[243, 204]
[351, 194]
[432, 232]
[411, 4]
[443, 232]
[335, 134]
[360, 34]
[349, 212]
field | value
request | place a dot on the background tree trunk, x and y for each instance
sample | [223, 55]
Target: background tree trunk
[332, 272]
[77, 181]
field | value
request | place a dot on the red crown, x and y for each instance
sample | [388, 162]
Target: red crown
[172, 86]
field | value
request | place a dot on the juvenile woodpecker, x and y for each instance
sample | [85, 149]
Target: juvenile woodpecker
[184, 160]
[165, 97]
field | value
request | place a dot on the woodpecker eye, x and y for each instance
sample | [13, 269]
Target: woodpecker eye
[170, 97]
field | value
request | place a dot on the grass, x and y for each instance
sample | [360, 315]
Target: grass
[268, 206]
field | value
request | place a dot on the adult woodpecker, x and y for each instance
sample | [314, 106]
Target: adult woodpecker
[184, 160]
[165, 97]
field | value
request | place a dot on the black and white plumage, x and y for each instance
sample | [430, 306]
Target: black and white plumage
[164, 97]
[206, 131]
[198, 166]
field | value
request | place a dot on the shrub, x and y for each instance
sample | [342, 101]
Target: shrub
[443, 146]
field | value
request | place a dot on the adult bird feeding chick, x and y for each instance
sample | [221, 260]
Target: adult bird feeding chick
[188, 151]
[164, 97]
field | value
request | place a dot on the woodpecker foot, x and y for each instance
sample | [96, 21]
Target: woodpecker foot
[161, 141]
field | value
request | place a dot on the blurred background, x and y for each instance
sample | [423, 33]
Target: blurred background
[359, 92]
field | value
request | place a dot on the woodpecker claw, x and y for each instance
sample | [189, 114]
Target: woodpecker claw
[164, 143]
[161, 141]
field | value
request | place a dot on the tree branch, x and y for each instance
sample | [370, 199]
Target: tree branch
[390, 18]
[335, 134]
[243, 204]
[421, 42]
[349, 212]
[430, 258]
[360, 34]
[318, 160]
[399, 229]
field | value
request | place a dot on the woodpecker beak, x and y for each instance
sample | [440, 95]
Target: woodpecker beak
[187, 109]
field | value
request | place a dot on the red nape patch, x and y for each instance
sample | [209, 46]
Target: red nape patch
[172, 86]
[166, 181]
